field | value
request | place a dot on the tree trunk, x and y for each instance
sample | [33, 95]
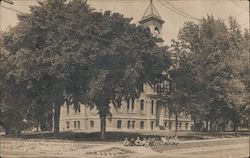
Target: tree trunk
[169, 122]
[7, 130]
[176, 125]
[37, 126]
[206, 129]
[194, 126]
[224, 124]
[18, 132]
[236, 124]
[103, 125]
[211, 126]
[57, 120]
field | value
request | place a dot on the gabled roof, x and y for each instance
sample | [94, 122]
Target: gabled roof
[151, 13]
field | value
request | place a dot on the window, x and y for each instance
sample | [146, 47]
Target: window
[152, 125]
[77, 109]
[133, 105]
[166, 124]
[180, 125]
[67, 124]
[78, 124]
[133, 124]
[186, 126]
[119, 108]
[142, 125]
[156, 32]
[170, 125]
[74, 124]
[152, 106]
[129, 124]
[128, 105]
[156, 29]
[92, 124]
[166, 111]
[119, 124]
[161, 87]
[181, 114]
[142, 105]
[67, 109]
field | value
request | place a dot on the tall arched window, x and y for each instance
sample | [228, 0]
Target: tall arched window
[67, 109]
[152, 106]
[156, 32]
[142, 105]
[128, 105]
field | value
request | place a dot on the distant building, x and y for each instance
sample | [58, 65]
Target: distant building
[142, 114]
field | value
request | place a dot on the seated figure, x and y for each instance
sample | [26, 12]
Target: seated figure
[126, 142]
[150, 141]
[144, 142]
[156, 141]
[138, 142]
[132, 142]
[171, 141]
[164, 140]
[176, 141]
[168, 141]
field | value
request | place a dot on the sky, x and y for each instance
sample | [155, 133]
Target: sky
[239, 9]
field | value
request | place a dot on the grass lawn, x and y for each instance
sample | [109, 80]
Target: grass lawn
[119, 136]
[78, 144]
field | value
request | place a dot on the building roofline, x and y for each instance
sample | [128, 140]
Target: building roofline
[151, 13]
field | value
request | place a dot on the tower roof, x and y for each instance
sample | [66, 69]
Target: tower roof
[151, 13]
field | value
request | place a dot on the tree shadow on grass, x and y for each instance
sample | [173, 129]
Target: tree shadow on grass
[82, 136]
[120, 136]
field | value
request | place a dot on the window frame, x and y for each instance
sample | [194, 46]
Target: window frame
[78, 124]
[180, 125]
[128, 124]
[67, 109]
[186, 125]
[152, 125]
[74, 124]
[133, 124]
[92, 124]
[128, 105]
[119, 124]
[67, 124]
[142, 124]
[142, 105]
[152, 106]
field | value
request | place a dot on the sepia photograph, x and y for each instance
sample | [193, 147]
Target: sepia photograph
[124, 79]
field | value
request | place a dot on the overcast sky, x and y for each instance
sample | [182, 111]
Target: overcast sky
[136, 8]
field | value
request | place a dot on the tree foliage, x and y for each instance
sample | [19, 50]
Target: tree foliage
[69, 53]
[211, 73]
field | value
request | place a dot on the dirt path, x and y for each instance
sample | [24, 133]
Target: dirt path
[218, 148]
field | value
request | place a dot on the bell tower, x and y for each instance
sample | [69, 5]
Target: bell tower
[152, 20]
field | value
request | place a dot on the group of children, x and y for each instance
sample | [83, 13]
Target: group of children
[151, 141]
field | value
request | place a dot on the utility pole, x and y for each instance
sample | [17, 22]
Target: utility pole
[8, 2]
[248, 123]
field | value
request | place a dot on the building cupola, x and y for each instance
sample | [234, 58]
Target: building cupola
[152, 20]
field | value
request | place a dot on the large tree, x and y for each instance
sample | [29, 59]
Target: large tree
[47, 55]
[129, 59]
[213, 60]
[67, 52]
